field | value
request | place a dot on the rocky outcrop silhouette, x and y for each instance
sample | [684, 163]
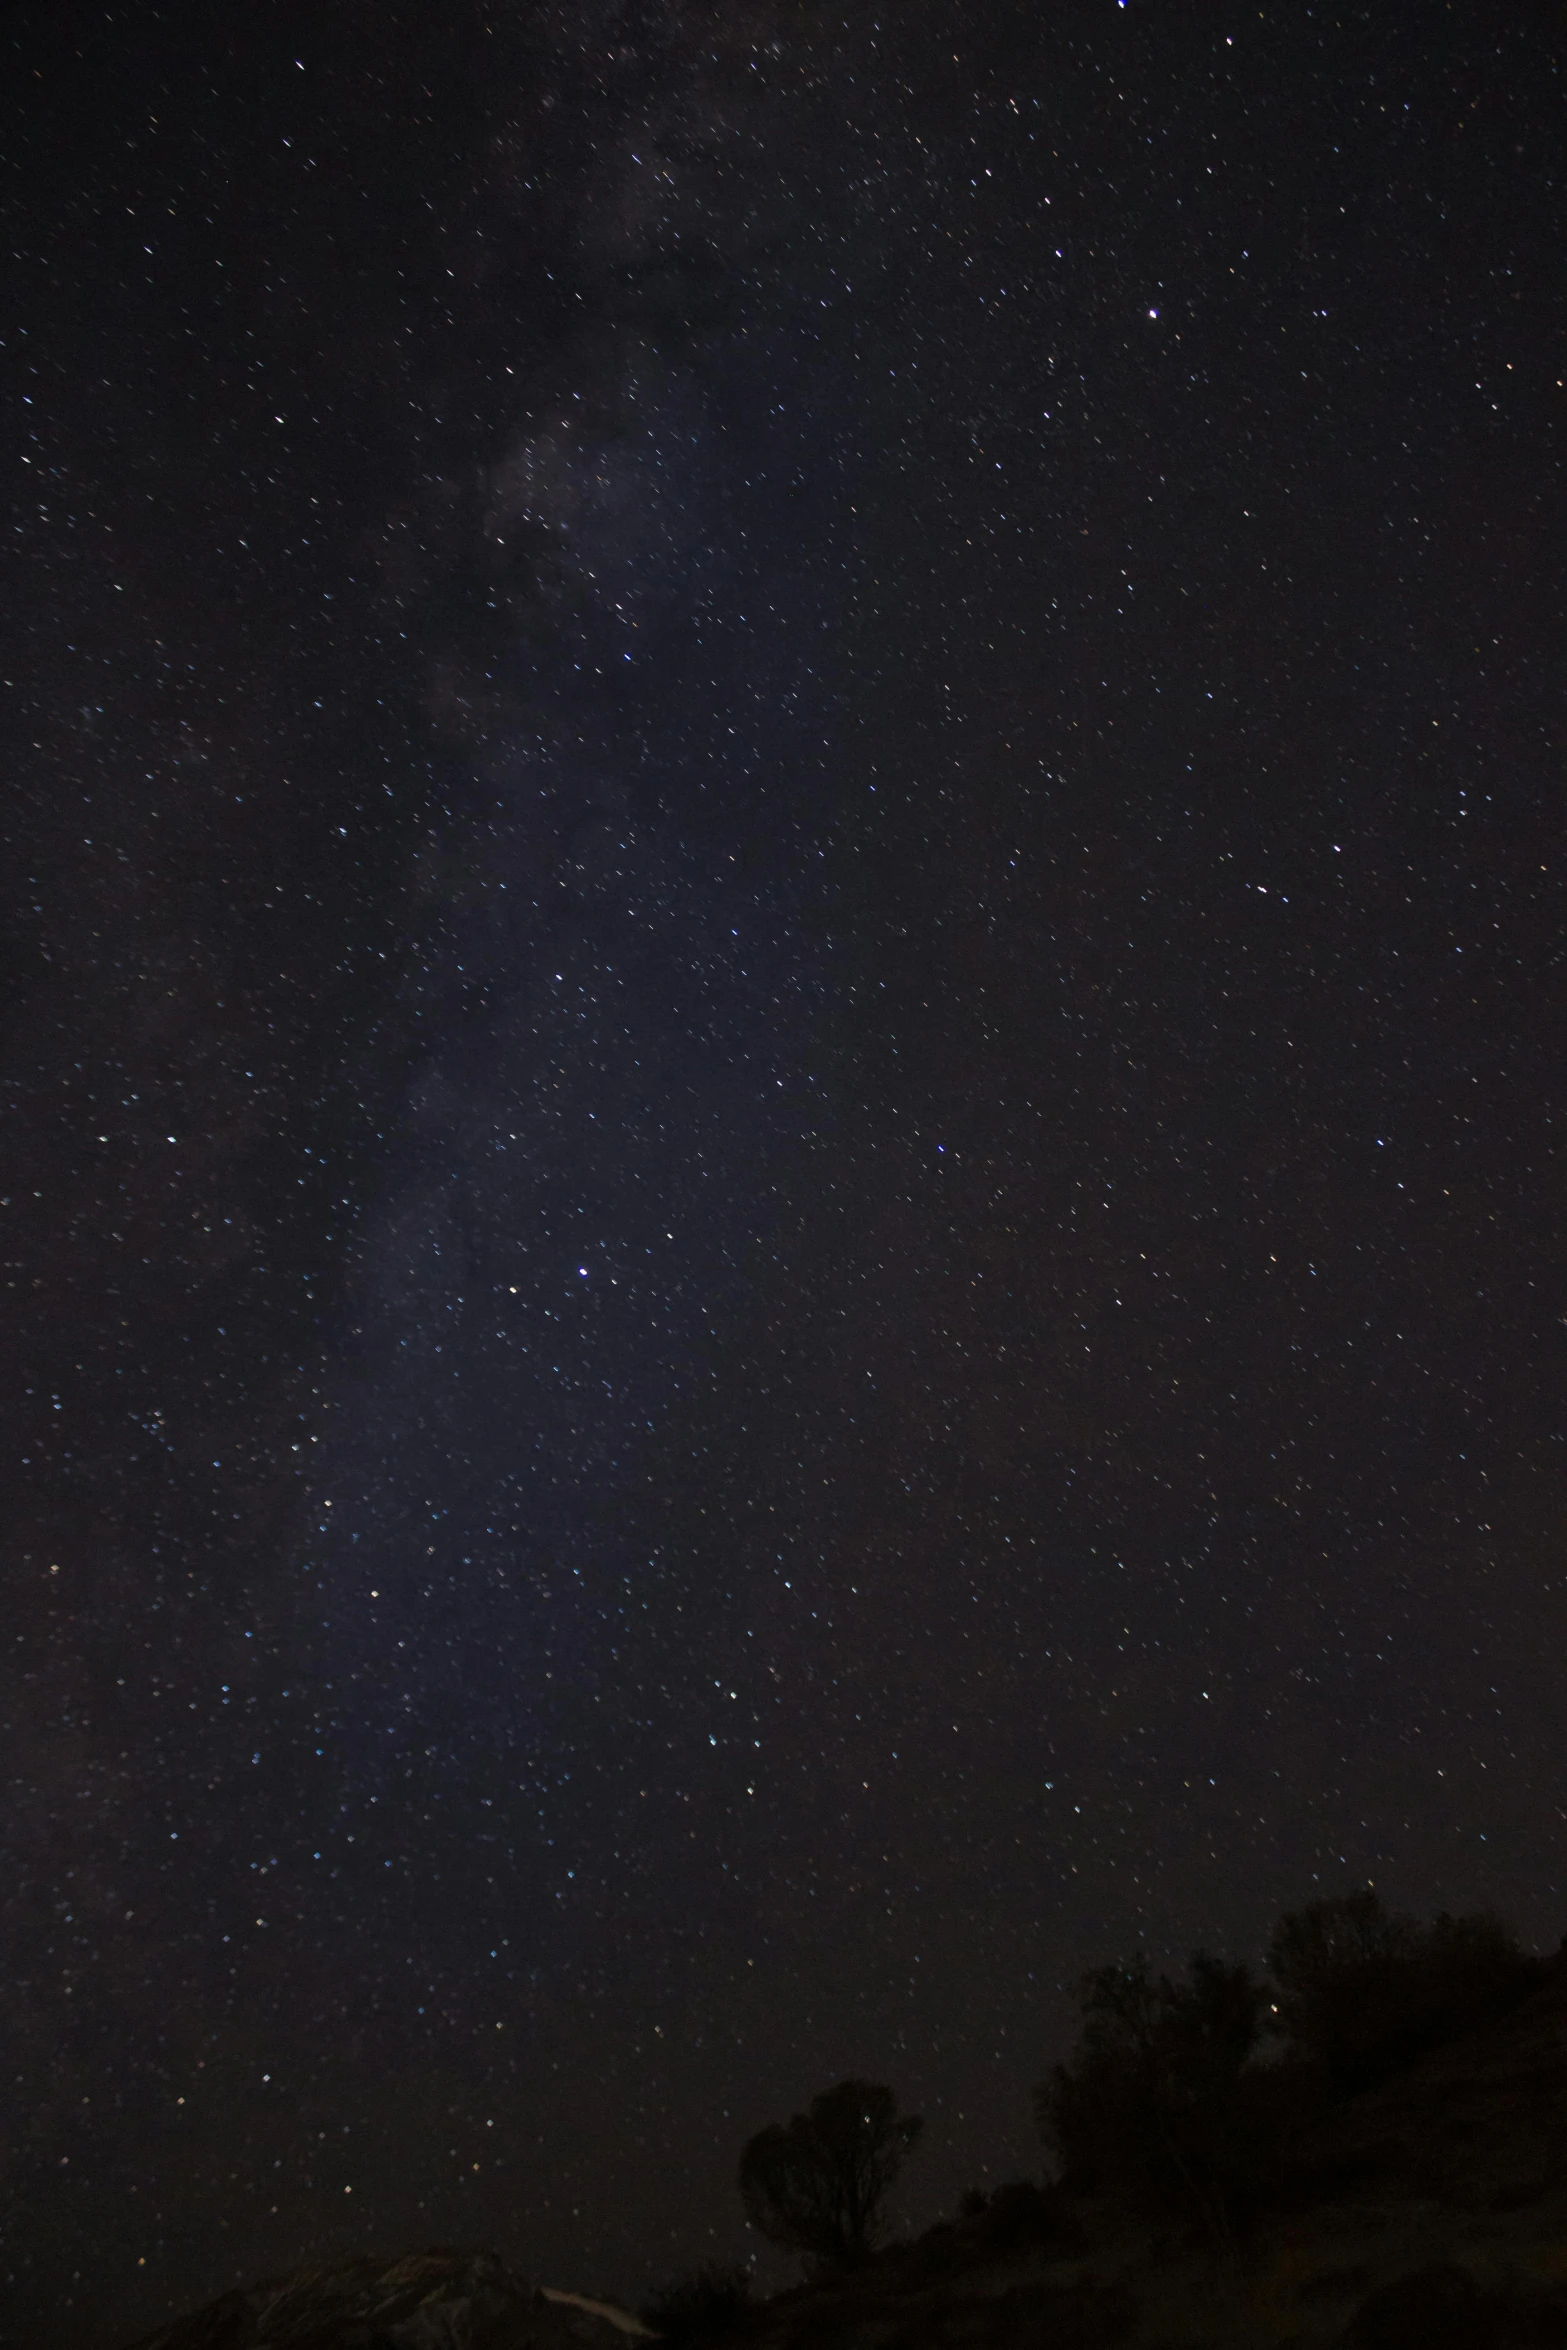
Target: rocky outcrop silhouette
[434, 2300]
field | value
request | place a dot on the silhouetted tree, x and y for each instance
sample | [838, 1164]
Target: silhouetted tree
[1157, 2101]
[701, 2306]
[1362, 1992]
[816, 2185]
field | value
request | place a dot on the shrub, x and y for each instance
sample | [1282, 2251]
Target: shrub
[1018, 2213]
[701, 2306]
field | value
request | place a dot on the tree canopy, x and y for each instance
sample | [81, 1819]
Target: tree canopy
[1171, 2094]
[816, 2184]
[1362, 1991]
[1150, 2096]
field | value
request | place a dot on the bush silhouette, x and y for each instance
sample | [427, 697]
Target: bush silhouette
[1362, 1993]
[1018, 2213]
[701, 2306]
[816, 2184]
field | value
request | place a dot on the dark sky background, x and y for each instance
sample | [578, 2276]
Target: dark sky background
[784, 1075]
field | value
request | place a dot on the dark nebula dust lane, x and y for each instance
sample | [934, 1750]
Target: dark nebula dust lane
[782, 1190]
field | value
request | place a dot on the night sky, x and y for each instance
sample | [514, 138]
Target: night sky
[784, 1074]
